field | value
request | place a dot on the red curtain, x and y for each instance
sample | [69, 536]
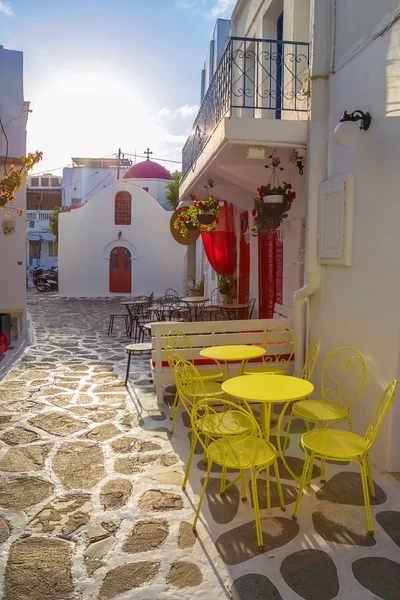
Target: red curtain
[220, 244]
[270, 273]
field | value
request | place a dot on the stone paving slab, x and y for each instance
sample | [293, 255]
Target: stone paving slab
[91, 505]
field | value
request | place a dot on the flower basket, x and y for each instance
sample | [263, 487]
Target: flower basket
[191, 226]
[273, 199]
[205, 218]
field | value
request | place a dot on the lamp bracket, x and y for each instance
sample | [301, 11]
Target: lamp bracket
[357, 115]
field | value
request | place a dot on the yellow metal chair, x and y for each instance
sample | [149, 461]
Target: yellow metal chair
[280, 343]
[212, 423]
[227, 445]
[342, 380]
[178, 347]
[334, 444]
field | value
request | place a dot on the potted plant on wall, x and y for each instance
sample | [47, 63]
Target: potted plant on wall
[197, 289]
[273, 202]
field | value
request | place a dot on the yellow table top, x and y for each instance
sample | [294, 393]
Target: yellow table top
[227, 353]
[268, 388]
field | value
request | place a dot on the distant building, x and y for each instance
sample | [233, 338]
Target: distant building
[119, 242]
[13, 115]
[221, 32]
[43, 194]
[86, 177]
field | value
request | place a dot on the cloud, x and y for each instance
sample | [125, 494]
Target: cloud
[223, 8]
[6, 9]
[188, 110]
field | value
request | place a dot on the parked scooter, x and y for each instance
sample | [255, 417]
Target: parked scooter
[48, 280]
[35, 274]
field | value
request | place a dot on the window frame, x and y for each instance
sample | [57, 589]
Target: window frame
[123, 208]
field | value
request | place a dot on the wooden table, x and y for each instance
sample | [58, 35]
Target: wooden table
[266, 389]
[234, 353]
[226, 305]
[196, 301]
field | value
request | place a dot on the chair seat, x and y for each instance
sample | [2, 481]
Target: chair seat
[241, 453]
[210, 389]
[211, 375]
[265, 368]
[334, 443]
[224, 423]
[317, 411]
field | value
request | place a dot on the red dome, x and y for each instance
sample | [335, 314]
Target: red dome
[147, 170]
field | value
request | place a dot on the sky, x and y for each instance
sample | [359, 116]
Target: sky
[107, 74]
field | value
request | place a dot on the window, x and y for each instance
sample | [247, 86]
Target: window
[53, 249]
[34, 181]
[45, 182]
[55, 182]
[123, 208]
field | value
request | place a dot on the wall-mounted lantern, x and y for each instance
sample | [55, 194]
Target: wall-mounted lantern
[347, 132]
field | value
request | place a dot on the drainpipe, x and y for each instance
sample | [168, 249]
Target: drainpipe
[317, 159]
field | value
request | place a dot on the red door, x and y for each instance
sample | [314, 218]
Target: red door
[120, 270]
[270, 273]
[244, 259]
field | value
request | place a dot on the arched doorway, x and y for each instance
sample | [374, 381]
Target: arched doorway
[120, 270]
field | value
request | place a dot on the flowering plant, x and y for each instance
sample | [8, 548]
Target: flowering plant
[267, 216]
[202, 214]
[12, 180]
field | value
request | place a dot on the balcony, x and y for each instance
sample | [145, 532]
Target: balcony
[38, 219]
[255, 79]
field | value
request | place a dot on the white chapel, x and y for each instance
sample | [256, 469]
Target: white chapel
[119, 242]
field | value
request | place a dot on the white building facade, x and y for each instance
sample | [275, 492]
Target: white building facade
[13, 114]
[346, 212]
[119, 242]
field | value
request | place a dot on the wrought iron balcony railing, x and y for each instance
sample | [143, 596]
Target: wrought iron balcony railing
[253, 76]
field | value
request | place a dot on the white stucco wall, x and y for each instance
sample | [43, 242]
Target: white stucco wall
[359, 305]
[88, 234]
[257, 18]
[13, 247]
[79, 184]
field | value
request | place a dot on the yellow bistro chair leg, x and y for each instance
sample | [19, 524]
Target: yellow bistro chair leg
[173, 407]
[370, 480]
[350, 422]
[323, 471]
[190, 460]
[302, 486]
[223, 481]
[243, 486]
[176, 412]
[268, 488]
[288, 431]
[260, 540]
[278, 485]
[203, 491]
[366, 498]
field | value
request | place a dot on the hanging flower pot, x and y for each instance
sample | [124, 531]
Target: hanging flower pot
[206, 218]
[273, 199]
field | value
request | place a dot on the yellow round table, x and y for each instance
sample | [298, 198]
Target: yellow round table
[235, 353]
[266, 389]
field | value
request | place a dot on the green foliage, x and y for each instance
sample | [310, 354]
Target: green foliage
[199, 287]
[53, 225]
[12, 180]
[172, 195]
[225, 283]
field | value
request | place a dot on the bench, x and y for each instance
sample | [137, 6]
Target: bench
[15, 314]
[202, 335]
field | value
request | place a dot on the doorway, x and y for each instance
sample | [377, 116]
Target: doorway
[120, 270]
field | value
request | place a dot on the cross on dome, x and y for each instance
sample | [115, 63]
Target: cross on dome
[147, 153]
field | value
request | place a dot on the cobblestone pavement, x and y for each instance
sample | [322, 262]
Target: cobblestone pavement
[91, 504]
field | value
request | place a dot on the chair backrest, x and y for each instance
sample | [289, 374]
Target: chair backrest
[311, 360]
[343, 376]
[178, 347]
[186, 375]
[211, 312]
[280, 343]
[381, 411]
[227, 420]
[215, 296]
[171, 295]
[250, 307]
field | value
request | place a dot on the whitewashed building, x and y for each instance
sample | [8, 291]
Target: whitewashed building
[119, 242]
[43, 194]
[290, 71]
[14, 115]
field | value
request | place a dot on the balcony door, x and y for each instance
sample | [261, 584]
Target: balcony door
[120, 270]
[279, 66]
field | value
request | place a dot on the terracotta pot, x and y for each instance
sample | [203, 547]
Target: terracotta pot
[206, 218]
